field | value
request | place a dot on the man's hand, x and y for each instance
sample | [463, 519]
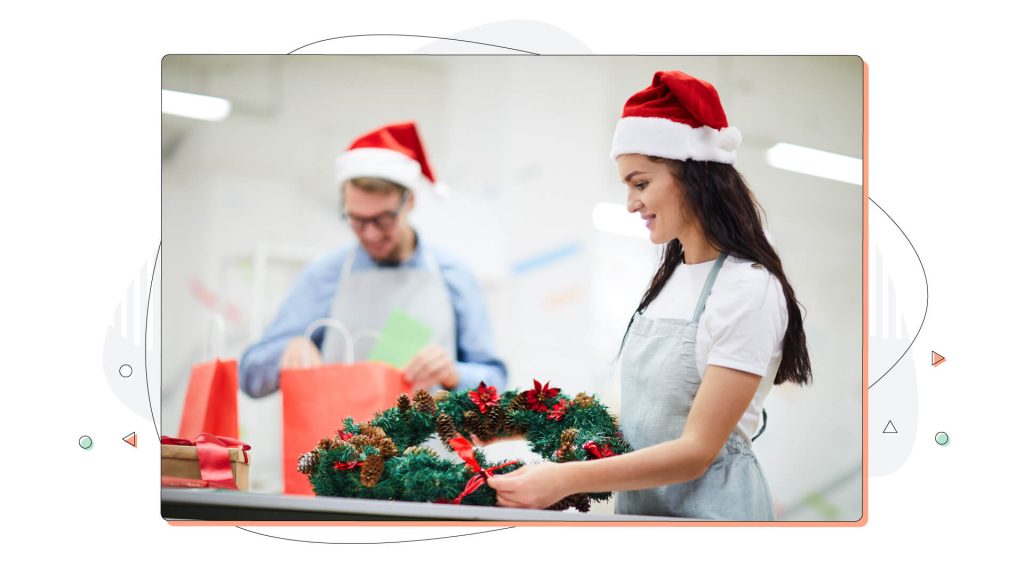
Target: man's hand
[300, 353]
[432, 365]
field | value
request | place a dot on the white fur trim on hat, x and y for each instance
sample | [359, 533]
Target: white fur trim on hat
[442, 189]
[667, 139]
[381, 163]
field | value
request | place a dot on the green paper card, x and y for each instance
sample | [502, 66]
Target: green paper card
[401, 339]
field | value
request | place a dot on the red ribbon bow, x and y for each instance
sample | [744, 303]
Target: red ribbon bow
[214, 458]
[602, 451]
[464, 448]
[351, 464]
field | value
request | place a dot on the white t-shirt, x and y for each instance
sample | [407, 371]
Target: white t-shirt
[743, 324]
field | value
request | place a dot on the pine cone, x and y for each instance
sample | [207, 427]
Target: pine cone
[441, 396]
[326, 443]
[445, 427]
[562, 504]
[495, 420]
[372, 432]
[386, 447]
[580, 502]
[372, 470]
[404, 404]
[569, 436]
[419, 450]
[567, 450]
[510, 426]
[584, 400]
[423, 402]
[518, 403]
[360, 441]
[308, 462]
[475, 424]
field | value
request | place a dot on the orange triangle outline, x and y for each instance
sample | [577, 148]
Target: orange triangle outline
[130, 439]
[937, 358]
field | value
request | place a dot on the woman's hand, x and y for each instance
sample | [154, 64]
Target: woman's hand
[533, 486]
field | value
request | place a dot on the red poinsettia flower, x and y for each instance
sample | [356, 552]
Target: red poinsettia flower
[484, 397]
[344, 436]
[535, 399]
[602, 451]
[347, 465]
[558, 410]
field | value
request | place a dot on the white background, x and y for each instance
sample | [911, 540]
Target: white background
[81, 211]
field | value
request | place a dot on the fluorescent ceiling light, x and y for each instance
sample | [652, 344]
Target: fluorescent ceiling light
[195, 106]
[815, 162]
[613, 218]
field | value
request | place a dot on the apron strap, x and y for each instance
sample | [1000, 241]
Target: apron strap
[431, 263]
[764, 424]
[350, 259]
[346, 270]
[707, 286]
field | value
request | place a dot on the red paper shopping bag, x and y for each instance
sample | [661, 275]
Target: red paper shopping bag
[211, 402]
[317, 400]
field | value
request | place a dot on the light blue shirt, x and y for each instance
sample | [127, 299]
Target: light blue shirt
[313, 293]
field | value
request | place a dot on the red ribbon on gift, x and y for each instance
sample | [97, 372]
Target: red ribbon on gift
[214, 458]
[464, 448]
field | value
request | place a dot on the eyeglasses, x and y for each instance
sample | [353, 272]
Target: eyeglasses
[383, 222]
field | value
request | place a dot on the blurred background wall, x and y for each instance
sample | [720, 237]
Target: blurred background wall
[523, 144]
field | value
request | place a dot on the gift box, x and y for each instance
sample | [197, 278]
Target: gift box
[209, 460]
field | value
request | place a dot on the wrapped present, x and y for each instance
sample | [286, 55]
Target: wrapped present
[217, 461]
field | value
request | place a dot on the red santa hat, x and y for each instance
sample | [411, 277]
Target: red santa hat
[393, 153]
[678, 117]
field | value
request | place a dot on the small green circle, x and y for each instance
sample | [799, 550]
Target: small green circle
[942, 438]
[85, 442]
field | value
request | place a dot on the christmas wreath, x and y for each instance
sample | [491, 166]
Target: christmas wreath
[382, 459]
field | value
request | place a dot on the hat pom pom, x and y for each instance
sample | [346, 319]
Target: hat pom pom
[729, 138]
[441, 189]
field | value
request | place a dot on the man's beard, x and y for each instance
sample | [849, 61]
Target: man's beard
[391, 259]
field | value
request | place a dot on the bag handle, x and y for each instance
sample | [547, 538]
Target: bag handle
[350, 346]
[215, 341]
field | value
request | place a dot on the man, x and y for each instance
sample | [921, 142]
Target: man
[390, 268]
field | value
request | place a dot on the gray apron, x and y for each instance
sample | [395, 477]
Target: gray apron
[366, 298]
[659, 382]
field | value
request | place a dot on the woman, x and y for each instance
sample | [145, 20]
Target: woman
[717, 326]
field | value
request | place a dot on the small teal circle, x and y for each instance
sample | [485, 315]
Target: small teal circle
[85, 442]
[942, 438]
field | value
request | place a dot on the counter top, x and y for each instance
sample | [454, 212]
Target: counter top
[228, 505]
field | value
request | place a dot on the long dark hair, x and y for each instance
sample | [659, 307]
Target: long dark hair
[732, 221]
